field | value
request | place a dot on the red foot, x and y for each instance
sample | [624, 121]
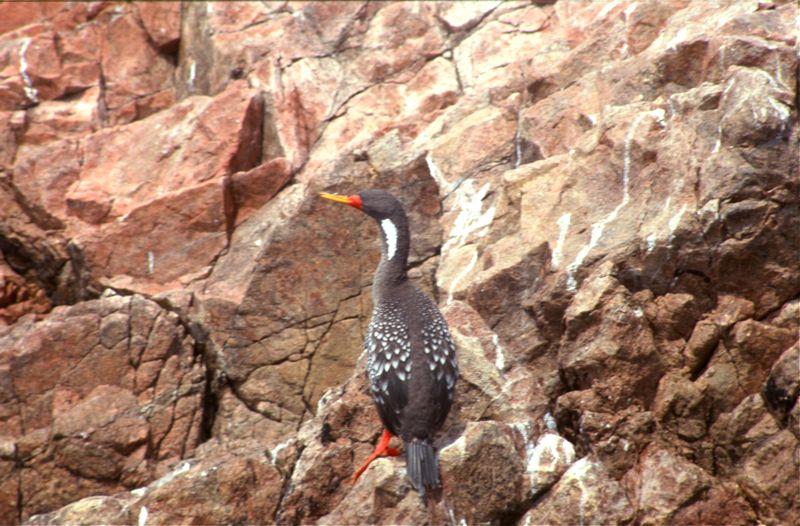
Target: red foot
[381, 450]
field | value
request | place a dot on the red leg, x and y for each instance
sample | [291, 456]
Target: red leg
[381, 450]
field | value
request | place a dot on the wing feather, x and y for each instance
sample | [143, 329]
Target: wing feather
[389, 365]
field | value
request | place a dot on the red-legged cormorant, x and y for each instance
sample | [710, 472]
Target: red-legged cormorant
[411, 363]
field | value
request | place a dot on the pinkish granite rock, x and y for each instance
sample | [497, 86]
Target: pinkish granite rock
[99, 397]
[604, 202]
[223, 475]
[162, 21]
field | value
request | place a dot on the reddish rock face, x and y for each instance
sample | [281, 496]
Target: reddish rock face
[604, 202]
[162, 21]
[99, 397]
[225, 477]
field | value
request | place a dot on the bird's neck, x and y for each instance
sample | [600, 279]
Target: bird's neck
[394, 252]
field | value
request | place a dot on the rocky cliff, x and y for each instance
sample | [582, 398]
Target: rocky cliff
[604, 201]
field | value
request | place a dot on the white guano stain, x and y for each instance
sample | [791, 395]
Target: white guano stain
[451, 515]
[653, 237]
[192, 75]
[139, 492]
[142, 516]
[728, 86]
[27, 84]
[563, 227]
[471, 219]
[182, 468]
[273, 454]
[718, 142]
[550, 446]
[550, 422]
[151, 262]
[390, 233]
[461, 275]
[436, 175]
[651, 242]
[673, 223]
[679, 37]
[725, 90]
[523, 429]
[783, 110]
[499, 357]
[559, 451]
[606, 9]
[600, 226]
[779, 68]
[577, 472]
[626, 14]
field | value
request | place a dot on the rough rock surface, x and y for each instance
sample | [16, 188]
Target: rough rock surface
[97, 397]
[605, 198]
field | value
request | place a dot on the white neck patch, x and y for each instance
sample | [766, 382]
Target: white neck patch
[390, 231]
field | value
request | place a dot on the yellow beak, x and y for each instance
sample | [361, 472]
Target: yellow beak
[335, 197]
[353, 200]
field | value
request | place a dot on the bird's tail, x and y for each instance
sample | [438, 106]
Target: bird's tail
[422, 462]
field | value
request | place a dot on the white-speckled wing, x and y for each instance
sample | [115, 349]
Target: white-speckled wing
[388, 362]
[440, 351]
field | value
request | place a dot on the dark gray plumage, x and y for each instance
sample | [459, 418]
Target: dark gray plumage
[412, 364]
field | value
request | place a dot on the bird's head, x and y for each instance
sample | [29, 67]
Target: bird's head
[378, 204]
[390, 216]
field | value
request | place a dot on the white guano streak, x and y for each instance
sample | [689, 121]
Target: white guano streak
[578, 471]
[651, 239]
[444, 186]
[499, 359]
[30, 91]
[390, 231]
[673, 223]
[563, 227]
[471, 219]
[600, 226]
[550, 422]
[522, 429]
[192, 76]
[606, 10]
[461, 275]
